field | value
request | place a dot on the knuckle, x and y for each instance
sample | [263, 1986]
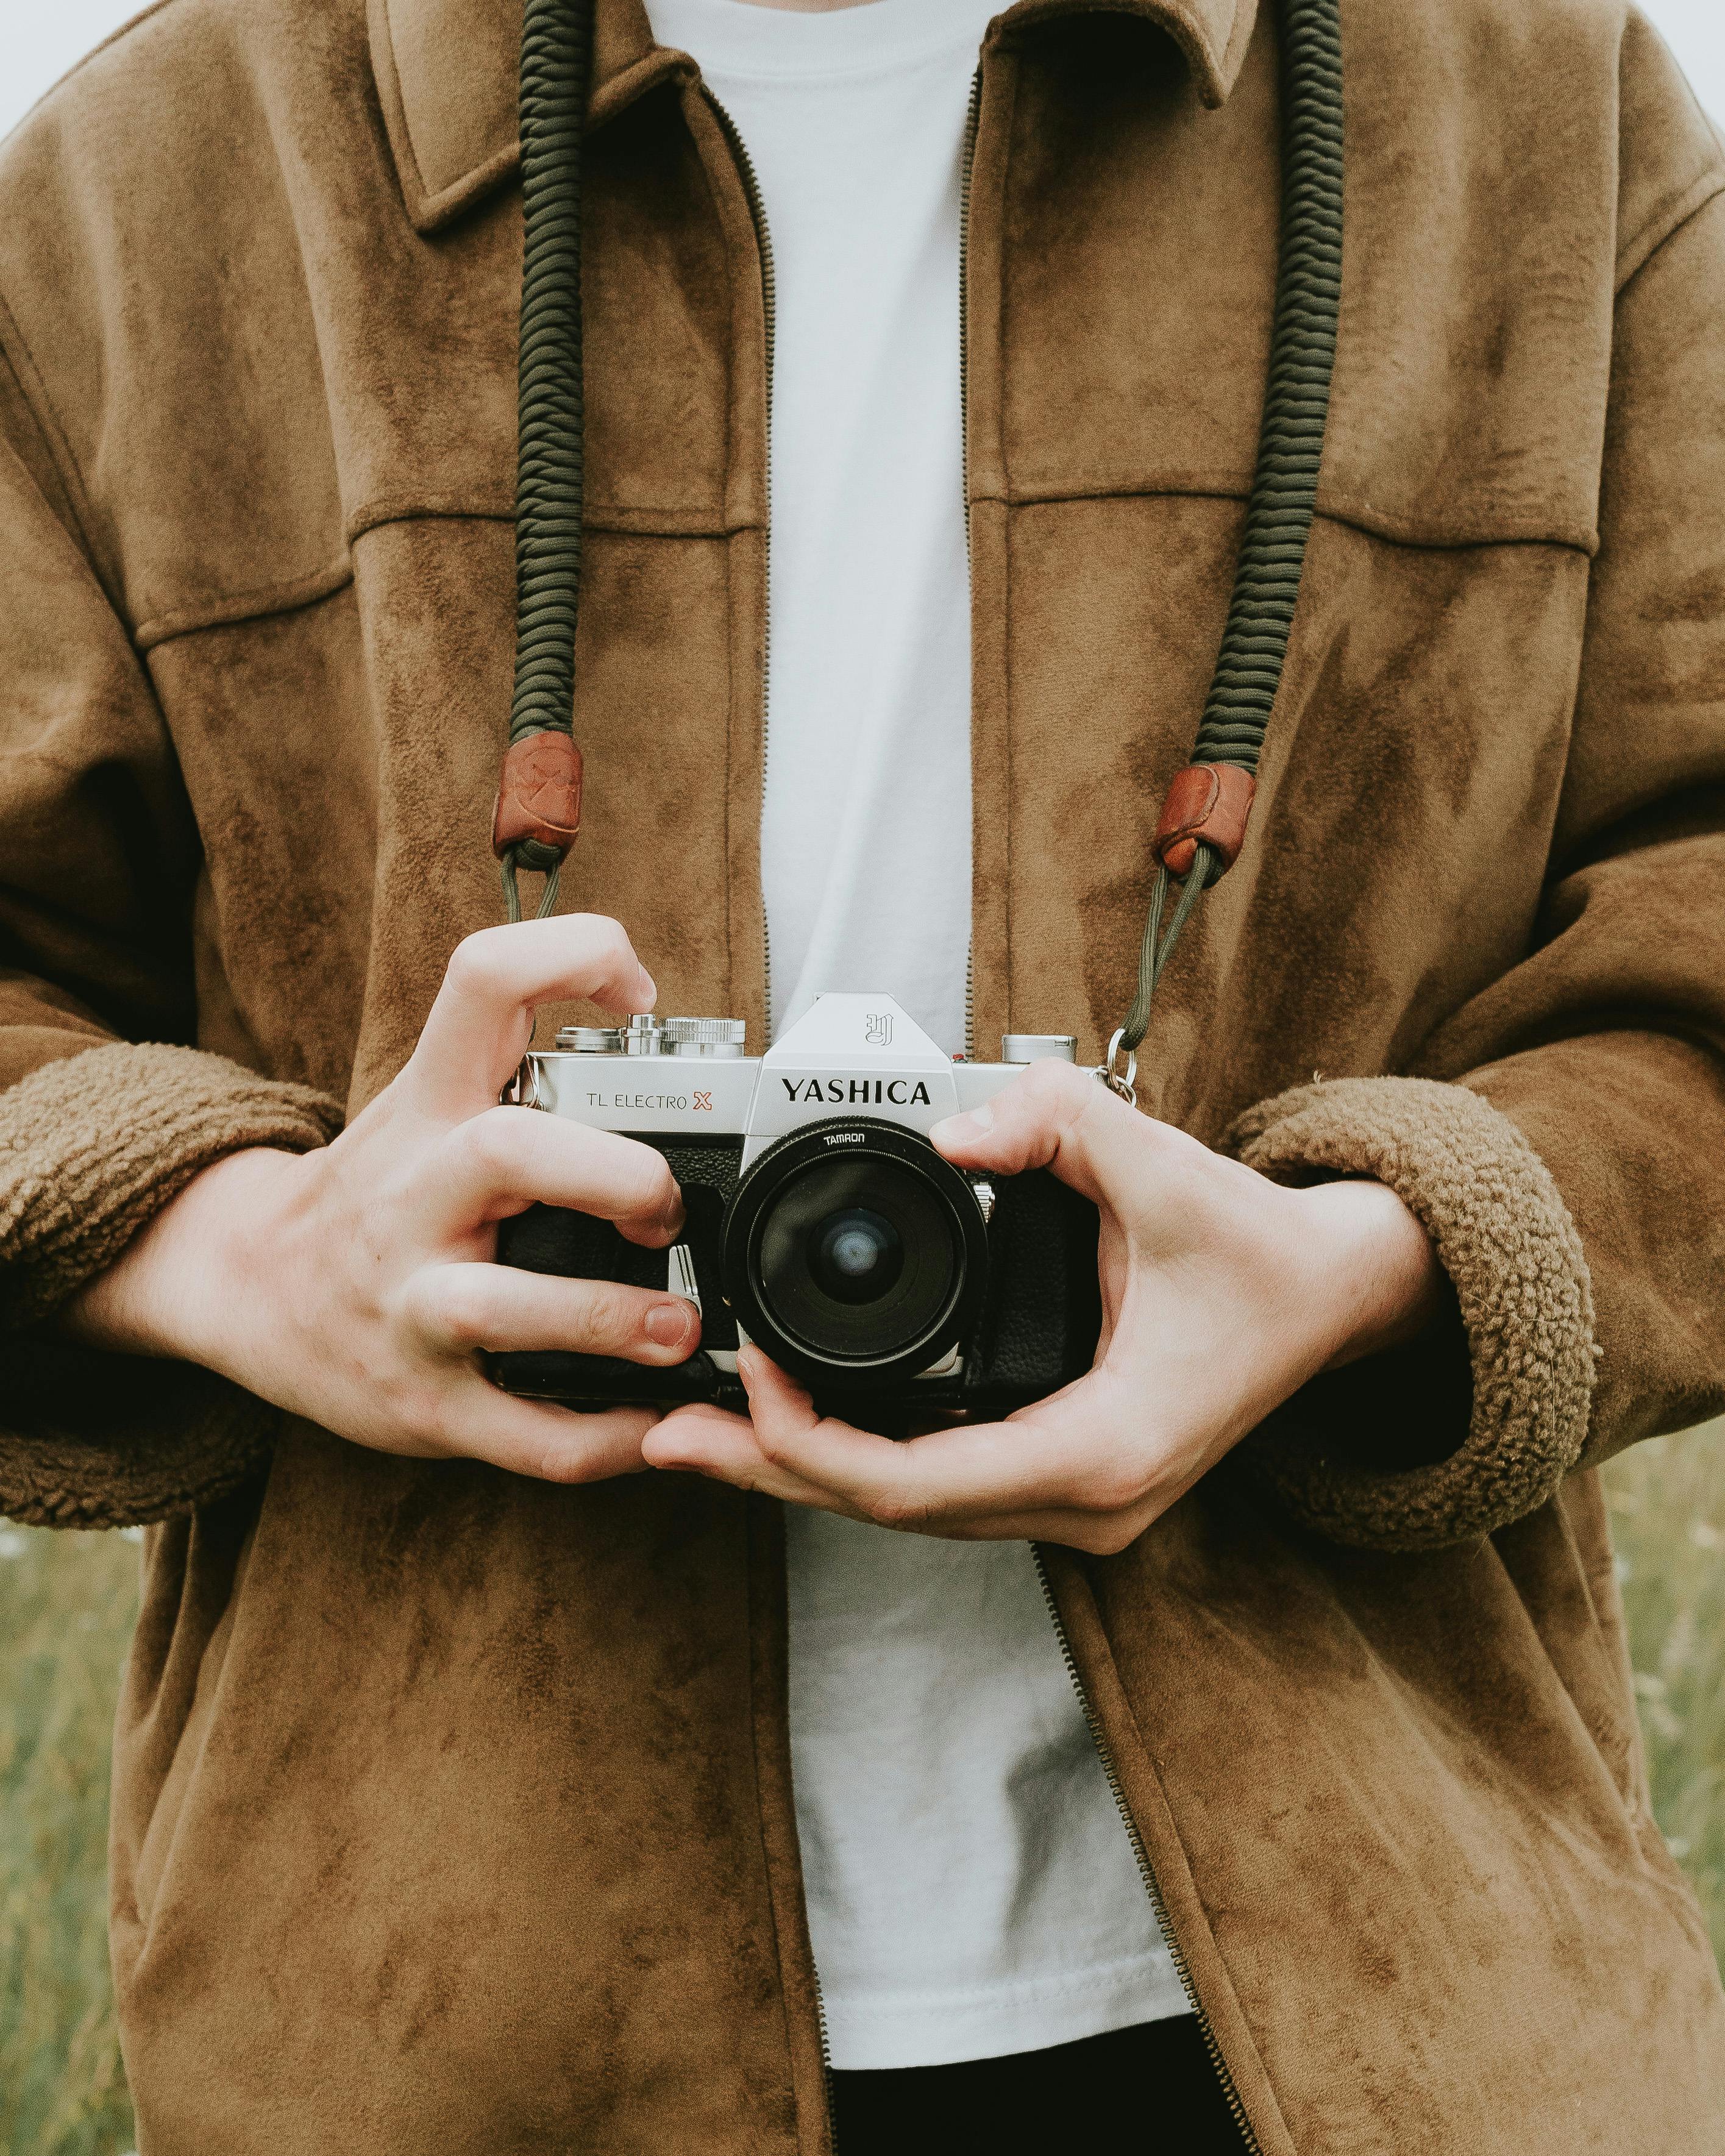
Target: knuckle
[610, 939]
[646, 1189]
[899, 1508]
[570, 1448]
[641, 1170]
[1112, 1489]
[777, 1445]
[1059, 1085]
[628, 1175]
[609, 1315]
[392, 1192]
[492, 1140]
[551, 1462]
[421, 1414]
[598, 946]
[1057, 1080]
[445, 1309]
[474, 961]
[658, 1186]
[1105, 1537]
[1052, 1099]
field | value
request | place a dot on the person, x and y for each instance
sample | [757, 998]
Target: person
[1238, 1745]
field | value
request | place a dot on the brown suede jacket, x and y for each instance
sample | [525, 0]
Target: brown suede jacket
[452, 1811]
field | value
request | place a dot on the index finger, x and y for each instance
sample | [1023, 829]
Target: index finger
[499, 1162]
[482, 1020]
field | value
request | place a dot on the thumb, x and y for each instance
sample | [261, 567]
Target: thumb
[1055, 1117]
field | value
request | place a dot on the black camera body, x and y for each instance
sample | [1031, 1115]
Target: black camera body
[821, 1224]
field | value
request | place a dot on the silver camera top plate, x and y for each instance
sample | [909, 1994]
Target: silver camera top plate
[850, 1056]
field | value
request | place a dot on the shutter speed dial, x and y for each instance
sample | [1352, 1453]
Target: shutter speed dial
[643, 1034]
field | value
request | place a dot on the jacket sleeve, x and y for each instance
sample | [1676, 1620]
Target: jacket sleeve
[106, 1110]
[1564, 1140]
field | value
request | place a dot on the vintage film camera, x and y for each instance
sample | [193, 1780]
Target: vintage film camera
[822, 1225]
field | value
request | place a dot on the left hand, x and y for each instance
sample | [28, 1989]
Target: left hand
[1222, 1294]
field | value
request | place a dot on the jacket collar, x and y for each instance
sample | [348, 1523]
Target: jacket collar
[447, 78]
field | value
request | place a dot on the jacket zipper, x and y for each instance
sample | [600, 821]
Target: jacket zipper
[967, 162]
[1147, 1871]
[967, 165]
[763, 247]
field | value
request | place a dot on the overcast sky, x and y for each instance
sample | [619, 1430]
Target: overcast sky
[39, 39]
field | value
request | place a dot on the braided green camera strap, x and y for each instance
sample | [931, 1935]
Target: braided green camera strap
[1272, 558]
[557, 59]
[557, 67]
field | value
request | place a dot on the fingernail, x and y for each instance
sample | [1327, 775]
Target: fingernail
[958, 1130]
[667, 1323]
[652, 994]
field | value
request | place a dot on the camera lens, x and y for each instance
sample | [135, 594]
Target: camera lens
[853, 1249]
[856, 1255]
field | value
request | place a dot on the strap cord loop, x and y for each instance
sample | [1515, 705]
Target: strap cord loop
[1284, 497]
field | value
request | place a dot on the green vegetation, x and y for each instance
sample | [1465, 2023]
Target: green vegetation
[67, 1604]
[1668, 1520]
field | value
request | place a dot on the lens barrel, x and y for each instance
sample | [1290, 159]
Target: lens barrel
[854, 1253]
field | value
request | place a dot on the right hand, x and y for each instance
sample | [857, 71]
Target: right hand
[357, 1285]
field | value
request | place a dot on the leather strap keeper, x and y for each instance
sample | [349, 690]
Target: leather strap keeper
[1207, 801]
[540, 794]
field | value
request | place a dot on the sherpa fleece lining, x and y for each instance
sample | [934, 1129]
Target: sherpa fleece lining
[91, 1147]
[1504, 1238]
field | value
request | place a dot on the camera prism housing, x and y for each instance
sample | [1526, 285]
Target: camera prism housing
[821, 1224]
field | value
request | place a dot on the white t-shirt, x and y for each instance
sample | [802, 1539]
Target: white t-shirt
[971, 1889]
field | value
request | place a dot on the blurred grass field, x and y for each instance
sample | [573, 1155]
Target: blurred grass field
[67, 1604]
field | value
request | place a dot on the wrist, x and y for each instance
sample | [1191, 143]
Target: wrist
[1385, 1287]
[180, 1287]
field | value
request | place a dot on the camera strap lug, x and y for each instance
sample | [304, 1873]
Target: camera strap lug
[522, 1090]
[1118, 1080]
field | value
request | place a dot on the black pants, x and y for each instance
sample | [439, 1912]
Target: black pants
[1157, 2081]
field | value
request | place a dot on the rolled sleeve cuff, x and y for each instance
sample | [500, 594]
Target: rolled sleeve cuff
[1504, 1237]
[91, 1148]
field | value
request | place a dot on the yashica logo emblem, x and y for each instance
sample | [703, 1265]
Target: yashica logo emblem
[900, 1092]
[879, 1029]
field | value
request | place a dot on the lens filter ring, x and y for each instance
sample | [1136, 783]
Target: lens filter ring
[854, 1253]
